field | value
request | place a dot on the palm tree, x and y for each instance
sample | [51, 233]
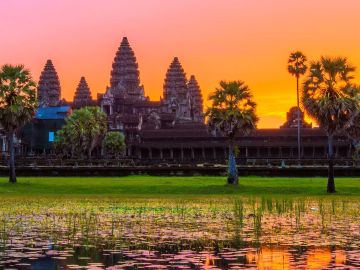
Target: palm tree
[84, 130]
[297, 67]
[232, 113]
[353, 128]
[329, 97]
[17, 104]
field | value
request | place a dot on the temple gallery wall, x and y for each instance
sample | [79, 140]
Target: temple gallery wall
[172, 128]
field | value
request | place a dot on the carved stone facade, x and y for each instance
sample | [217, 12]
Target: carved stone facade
[173, 129]
[49, 90]
[125, 80]
[176, 94]
[292, 119]
[128, 108]
[196, 100]
[82, 95]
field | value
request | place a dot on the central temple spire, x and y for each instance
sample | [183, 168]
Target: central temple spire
[125, 69]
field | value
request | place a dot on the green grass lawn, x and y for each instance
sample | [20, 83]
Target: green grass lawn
[153, 186]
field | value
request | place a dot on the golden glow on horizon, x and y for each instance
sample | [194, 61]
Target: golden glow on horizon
[228, 40]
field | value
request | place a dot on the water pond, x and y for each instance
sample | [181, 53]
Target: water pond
[211, 233]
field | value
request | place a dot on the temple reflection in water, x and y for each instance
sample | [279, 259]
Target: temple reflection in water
[289, 258]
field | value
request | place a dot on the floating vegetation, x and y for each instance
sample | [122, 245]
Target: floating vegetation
[229, 233]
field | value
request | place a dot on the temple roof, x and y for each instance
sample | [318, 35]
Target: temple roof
[175, 83]
[125, 66]
[82, 93]
[180, 137]
[292, 119]
[194, 90]
[186, 130]
[51, 113]
[137, 102]
[49, 90]
[196, 99]
[127, 118]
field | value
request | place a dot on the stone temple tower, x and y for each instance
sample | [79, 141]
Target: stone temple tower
[196, 100]
[82, 95]
[125, 80]
[49, 90]
[176, 95]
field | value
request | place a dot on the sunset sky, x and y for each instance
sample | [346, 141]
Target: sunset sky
[215, 40]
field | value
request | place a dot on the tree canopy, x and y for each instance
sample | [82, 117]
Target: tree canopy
[17, 104]
[84, 130]
[114, 143]
[17, 97]
[296, 67]
[329, 96]
[297, 64]
[233, 112]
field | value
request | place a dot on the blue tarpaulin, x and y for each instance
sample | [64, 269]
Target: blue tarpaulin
[53, 112]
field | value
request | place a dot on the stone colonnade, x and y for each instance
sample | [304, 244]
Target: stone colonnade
[221, 152]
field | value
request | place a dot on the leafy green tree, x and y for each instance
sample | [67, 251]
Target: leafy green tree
[297, 67]
[329, 97]
[17, 104]
[63, 144]
[84, 130]
[114, 143]
[232, 113]
[354, 132]
[353, 129]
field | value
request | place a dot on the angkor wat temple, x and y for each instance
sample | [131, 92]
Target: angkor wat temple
[173, 128]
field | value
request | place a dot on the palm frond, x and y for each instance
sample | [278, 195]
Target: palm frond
[233, 109]
[328, 95]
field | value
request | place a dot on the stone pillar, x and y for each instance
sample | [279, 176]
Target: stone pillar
[182, 153]
[192, 153]
[111, 109]
[203, 153]
[171, 153]
[246, 152]
[161, 153]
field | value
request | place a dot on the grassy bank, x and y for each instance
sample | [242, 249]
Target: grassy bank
[154, 186]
